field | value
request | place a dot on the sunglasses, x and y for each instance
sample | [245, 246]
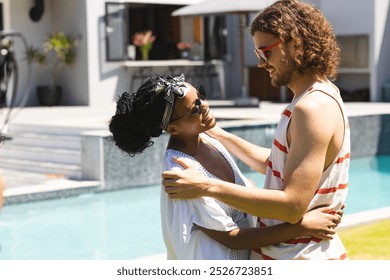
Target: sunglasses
[201, 92]
[264, 53]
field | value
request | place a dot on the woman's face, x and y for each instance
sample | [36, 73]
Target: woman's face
[192, 114]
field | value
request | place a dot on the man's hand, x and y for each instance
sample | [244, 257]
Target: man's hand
[184, 184]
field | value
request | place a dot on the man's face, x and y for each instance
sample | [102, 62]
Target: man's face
[270, 57]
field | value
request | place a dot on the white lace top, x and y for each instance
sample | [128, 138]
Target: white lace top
[182, 239]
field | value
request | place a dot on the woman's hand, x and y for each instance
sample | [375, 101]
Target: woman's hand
[321, 222]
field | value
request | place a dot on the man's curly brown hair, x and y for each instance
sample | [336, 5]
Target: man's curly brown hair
[317, 51]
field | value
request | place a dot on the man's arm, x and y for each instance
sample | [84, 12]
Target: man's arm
[254, 156]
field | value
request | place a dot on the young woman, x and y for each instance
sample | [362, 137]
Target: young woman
[170, 104]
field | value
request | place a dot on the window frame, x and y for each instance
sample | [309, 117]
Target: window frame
[219, 40]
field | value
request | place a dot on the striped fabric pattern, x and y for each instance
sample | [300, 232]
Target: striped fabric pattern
[333, 188]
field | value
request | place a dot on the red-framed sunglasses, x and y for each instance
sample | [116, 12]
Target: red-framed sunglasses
[264, 53]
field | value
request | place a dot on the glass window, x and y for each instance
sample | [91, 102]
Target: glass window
[116, 31]
[165, 28]
[215, 37]
[123, 20]
[354, 51]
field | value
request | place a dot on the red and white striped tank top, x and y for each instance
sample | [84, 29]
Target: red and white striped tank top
[332, 189]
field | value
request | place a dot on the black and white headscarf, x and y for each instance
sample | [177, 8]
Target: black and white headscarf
[171, 89]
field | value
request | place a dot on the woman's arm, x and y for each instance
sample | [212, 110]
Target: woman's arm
[317, 223]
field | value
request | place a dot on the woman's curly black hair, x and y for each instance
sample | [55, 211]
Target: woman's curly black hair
[138, 117]
[313, 37]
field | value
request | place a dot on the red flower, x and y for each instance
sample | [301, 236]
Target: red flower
[182, 46]
[145, 38]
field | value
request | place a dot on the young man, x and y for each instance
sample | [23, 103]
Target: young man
[307, 165]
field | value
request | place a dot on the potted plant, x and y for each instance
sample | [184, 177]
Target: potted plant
[58, 50]
[144, 40]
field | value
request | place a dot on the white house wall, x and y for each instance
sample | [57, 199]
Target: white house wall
[67, 16]
[381, 54]
[349, 17]
[356, 17]
[34, 33]
[352, 17]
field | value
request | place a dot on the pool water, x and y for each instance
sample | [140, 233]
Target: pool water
[123, 225]
[112, 225]
[369, 184]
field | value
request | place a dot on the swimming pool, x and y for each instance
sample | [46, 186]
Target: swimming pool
[123, 225]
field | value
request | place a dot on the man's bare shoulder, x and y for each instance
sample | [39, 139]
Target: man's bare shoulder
[318, 104]
[316, 116]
